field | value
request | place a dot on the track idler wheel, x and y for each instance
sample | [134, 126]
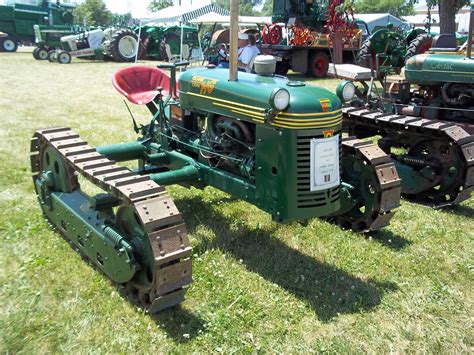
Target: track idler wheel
[375, 183]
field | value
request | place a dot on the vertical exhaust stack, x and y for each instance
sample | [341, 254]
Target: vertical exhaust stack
[234, 35]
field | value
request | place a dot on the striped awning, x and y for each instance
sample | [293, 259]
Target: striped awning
[182, 14]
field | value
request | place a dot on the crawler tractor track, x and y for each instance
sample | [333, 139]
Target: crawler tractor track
[435, 143]
[159, 260]
[377, 185]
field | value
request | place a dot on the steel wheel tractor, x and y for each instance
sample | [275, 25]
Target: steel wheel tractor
[387, 49]
[426, 120]
[269, 141]
[121, 45]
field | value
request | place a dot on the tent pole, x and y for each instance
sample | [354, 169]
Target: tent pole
[139, 38]
[234, 34]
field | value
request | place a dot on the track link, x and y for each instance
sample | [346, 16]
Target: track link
[418, 126]
[379, 189]
[152, 207]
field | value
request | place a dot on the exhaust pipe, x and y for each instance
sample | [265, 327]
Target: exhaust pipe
[234, 42]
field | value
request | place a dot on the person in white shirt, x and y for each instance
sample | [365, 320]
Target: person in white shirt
[246, 53]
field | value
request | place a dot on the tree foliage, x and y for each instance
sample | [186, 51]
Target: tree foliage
[156, 5]
[447, 13]
[246, 7]
[92, 13]
[395, 7]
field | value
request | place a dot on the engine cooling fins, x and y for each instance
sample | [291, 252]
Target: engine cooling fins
[133, 233]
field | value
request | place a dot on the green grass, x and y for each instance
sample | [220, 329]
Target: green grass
[257, 285]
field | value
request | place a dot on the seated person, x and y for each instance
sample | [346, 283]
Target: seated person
[246, 53]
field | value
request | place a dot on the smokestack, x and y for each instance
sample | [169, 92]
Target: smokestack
[234, 35]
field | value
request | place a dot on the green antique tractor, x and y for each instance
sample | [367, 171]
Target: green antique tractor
[272, 142]
[426, 121]
[162, 42]
[393, 46]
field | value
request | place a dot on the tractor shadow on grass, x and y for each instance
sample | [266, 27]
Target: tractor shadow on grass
[179, 323]
[461, 210]
[388, 239]
[329, 290]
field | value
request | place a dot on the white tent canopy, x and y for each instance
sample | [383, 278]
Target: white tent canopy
[462, 21]
[374, 20]
[183, 14]
[212, 18]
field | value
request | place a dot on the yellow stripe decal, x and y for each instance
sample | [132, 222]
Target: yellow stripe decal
[319, 120]
[310, 125]
[229, 102]
[315, 114]
[261, 115]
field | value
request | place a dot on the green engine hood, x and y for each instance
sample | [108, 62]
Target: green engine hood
[209, 90]
[439, 68]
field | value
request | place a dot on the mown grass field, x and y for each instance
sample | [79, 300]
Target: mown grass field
[257, 285]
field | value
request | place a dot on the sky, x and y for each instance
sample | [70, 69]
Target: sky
[138, 7]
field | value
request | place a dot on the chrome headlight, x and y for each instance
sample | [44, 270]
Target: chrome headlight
[346, 91]
[280, 99]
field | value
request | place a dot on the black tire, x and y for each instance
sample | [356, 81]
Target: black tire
[167, 39]
[52, 57]
[64, 57]
[42, 53]
[365, 53]
[318, 65]
[8, 44]
[419, 45]
[123, 46]
[35, 53]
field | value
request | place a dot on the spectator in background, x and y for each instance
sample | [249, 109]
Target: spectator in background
[246, 53]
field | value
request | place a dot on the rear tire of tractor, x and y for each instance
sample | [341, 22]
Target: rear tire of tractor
[42, 53]
[64, 58]
[318, 65]
[419, 45]
[52, 57]
[123, 46]
[365, 53]
[8, 44]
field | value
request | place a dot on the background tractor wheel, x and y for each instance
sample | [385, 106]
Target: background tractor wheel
[35, 53]
[318, 65]
[171, 39]
[365, 53]
[8, 44]
[64, 57]
[52, 56]
[419, 45]
[123, 46]
[42, 53]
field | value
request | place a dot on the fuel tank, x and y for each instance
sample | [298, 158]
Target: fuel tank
[251, 98]
[431, 69]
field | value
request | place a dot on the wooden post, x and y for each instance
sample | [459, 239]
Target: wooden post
[234, 39]
[337, 44]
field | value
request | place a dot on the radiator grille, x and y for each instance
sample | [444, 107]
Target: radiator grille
[305, 197]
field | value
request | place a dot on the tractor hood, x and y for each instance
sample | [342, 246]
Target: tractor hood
[253, 95]
[439, 68]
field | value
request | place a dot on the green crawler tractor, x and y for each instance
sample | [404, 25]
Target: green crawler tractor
[274, 143]
[426, 120]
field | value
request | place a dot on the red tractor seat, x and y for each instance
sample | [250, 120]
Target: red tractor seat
[139, 83]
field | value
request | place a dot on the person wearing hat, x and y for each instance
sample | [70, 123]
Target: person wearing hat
[246, 53]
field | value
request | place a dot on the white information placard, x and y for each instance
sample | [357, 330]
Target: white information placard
[324, 163]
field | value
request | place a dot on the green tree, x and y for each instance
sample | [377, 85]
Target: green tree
[447, 13]
[395, 7]
[267, 9]
[156, 5]
[245, 6]
[92, 13]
